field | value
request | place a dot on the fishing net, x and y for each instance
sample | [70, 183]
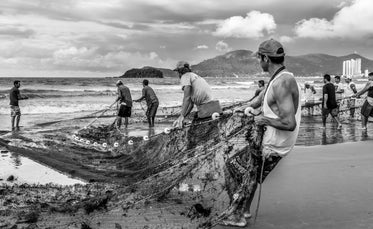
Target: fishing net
[215, 157]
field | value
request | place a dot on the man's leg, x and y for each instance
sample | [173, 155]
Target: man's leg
[119, 122]
[324, 116]
[18, 118]
[12, 121]
[364, 120]
[334, 114]
[153, 112]
[148, 115]
[126, 122]
[153, 118]
[337, 120]
[246, 209]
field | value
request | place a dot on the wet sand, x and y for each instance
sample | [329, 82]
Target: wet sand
[320, 187]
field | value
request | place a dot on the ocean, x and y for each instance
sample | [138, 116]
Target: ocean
[53, 98]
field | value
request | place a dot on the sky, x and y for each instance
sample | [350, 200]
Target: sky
[104, 38]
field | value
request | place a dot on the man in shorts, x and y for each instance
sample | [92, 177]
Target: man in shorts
[151, 101]
[349, 91]
[309, 96]
[15, 111]
[125, 104]
[329, 103]
[367, 108]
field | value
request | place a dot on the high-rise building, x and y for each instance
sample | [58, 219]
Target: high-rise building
[352, 67]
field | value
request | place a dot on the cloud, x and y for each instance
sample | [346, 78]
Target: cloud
[202, 47]
[254, 25]
[349, 22]
[16, 32]
[221, 46]
[286, 39]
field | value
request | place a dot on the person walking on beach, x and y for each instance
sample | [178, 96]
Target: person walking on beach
[196, 91]
[338, 89]
[261, 87]
[125, 101]
[15, 111]
[367, 108]
[329, 103]
[309, 95]
[151, 101]
[281, 107]
[349, 91]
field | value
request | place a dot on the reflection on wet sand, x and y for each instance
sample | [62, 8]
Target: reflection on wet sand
[312, 133]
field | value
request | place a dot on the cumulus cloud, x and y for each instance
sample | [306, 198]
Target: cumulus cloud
[221, 46]
[202, 47]
[349, 22]
[254, 25]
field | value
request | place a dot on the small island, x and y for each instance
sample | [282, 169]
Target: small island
[145, 72]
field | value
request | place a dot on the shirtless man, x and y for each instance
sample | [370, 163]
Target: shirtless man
[281, 115]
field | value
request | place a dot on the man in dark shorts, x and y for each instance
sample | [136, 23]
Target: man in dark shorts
[367, 108]
[125, 101]
[14, 97]
[151, 101]
[329, 103]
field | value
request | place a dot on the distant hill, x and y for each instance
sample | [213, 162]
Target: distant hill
[145, 72]
[149, 72]
[243, 63]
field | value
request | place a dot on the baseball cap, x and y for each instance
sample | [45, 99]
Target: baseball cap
[119, 82]
[271, 48]
[181, 64]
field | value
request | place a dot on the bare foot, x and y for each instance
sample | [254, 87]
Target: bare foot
[234, 220]
[247, 215]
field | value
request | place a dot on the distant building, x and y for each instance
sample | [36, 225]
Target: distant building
[352, 67]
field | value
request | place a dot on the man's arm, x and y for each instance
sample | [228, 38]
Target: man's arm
[353, 87]
[21, 97]
[119, 95]
[284, 100]
[365, 89]
[313, 90]
[142, 97]
[257, 101]
[187, 101]
[325, 99]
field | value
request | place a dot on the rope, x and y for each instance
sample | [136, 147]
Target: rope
[97, 117]
[260, 189]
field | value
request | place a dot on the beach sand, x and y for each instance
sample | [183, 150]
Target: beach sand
[313, 187]
[320, 187]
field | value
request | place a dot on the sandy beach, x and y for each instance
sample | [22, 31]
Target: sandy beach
[325, 186]
[320, 187]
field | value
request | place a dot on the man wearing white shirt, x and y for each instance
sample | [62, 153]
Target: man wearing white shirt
[349, 91]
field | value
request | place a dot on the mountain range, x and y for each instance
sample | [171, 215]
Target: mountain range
[241, 63]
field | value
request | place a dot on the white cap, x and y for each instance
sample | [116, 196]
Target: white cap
[119, 82]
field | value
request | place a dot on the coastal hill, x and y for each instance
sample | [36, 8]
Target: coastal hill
[145, 72]
[240, 63]
[149, 72]
[243, 63]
